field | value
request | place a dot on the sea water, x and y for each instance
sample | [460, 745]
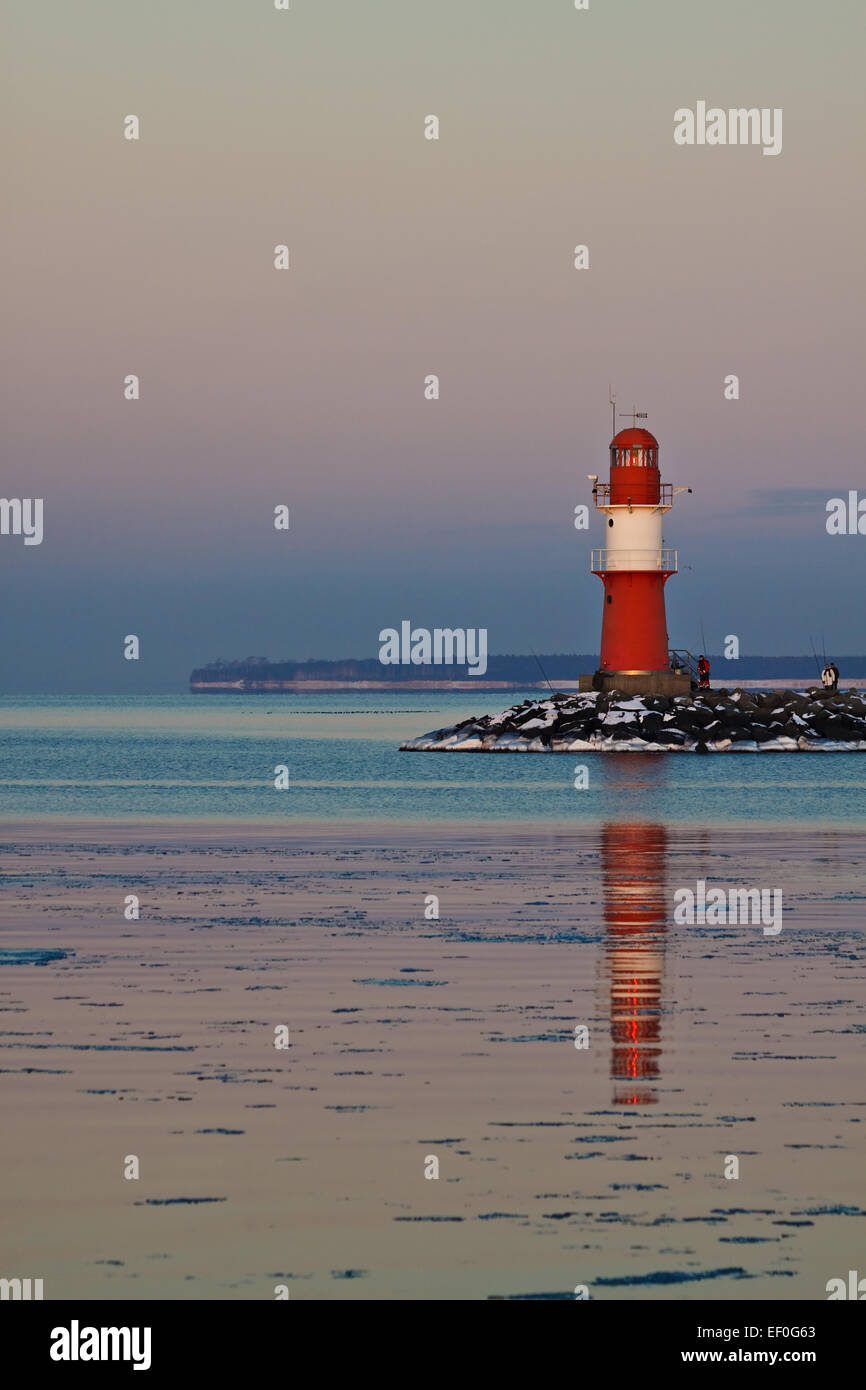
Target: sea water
[216, 756]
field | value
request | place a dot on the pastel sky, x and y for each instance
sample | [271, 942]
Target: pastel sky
[410, 257]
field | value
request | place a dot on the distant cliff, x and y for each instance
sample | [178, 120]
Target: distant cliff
[510, 672]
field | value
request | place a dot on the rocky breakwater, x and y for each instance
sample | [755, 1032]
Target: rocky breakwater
[707, 721]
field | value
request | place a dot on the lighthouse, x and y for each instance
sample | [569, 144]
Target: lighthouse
[634, 566]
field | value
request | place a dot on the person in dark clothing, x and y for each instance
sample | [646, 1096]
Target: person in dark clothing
[703, 673]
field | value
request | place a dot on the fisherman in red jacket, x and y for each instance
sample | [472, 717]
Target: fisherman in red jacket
[703, 673]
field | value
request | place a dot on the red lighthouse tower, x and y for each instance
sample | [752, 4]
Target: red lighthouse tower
[634, 565]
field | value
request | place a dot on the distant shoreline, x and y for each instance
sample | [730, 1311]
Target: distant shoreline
[243, 687]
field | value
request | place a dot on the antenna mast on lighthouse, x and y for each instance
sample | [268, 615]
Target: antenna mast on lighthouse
[635, 416]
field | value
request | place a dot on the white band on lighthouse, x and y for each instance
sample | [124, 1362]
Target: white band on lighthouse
[633, 537]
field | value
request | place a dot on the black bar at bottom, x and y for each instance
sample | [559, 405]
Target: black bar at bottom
[156, 1339]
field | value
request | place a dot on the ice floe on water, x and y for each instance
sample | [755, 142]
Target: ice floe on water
[707, 721]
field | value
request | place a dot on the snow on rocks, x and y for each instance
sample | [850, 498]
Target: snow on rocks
[707, 721]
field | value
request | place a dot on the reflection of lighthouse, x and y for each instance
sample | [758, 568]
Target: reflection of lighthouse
[634, 567]
[635, 911]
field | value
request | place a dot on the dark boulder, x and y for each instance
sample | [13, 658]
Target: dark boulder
[840, 728]
[652, 721]
[525, 716]
[715, 731]
[671, 736]
[762, 734]
[701, 716]
[621, 732]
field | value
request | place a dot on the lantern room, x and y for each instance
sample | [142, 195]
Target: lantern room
[634, 468]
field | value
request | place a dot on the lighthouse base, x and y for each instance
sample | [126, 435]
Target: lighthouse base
[639, 682]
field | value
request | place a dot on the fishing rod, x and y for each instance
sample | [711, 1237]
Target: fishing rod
[543, 672]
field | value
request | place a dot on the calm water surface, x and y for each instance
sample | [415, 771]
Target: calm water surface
[193, 756]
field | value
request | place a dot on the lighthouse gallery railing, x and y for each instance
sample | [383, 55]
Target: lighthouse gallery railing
[605, 560]
[601, 493]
